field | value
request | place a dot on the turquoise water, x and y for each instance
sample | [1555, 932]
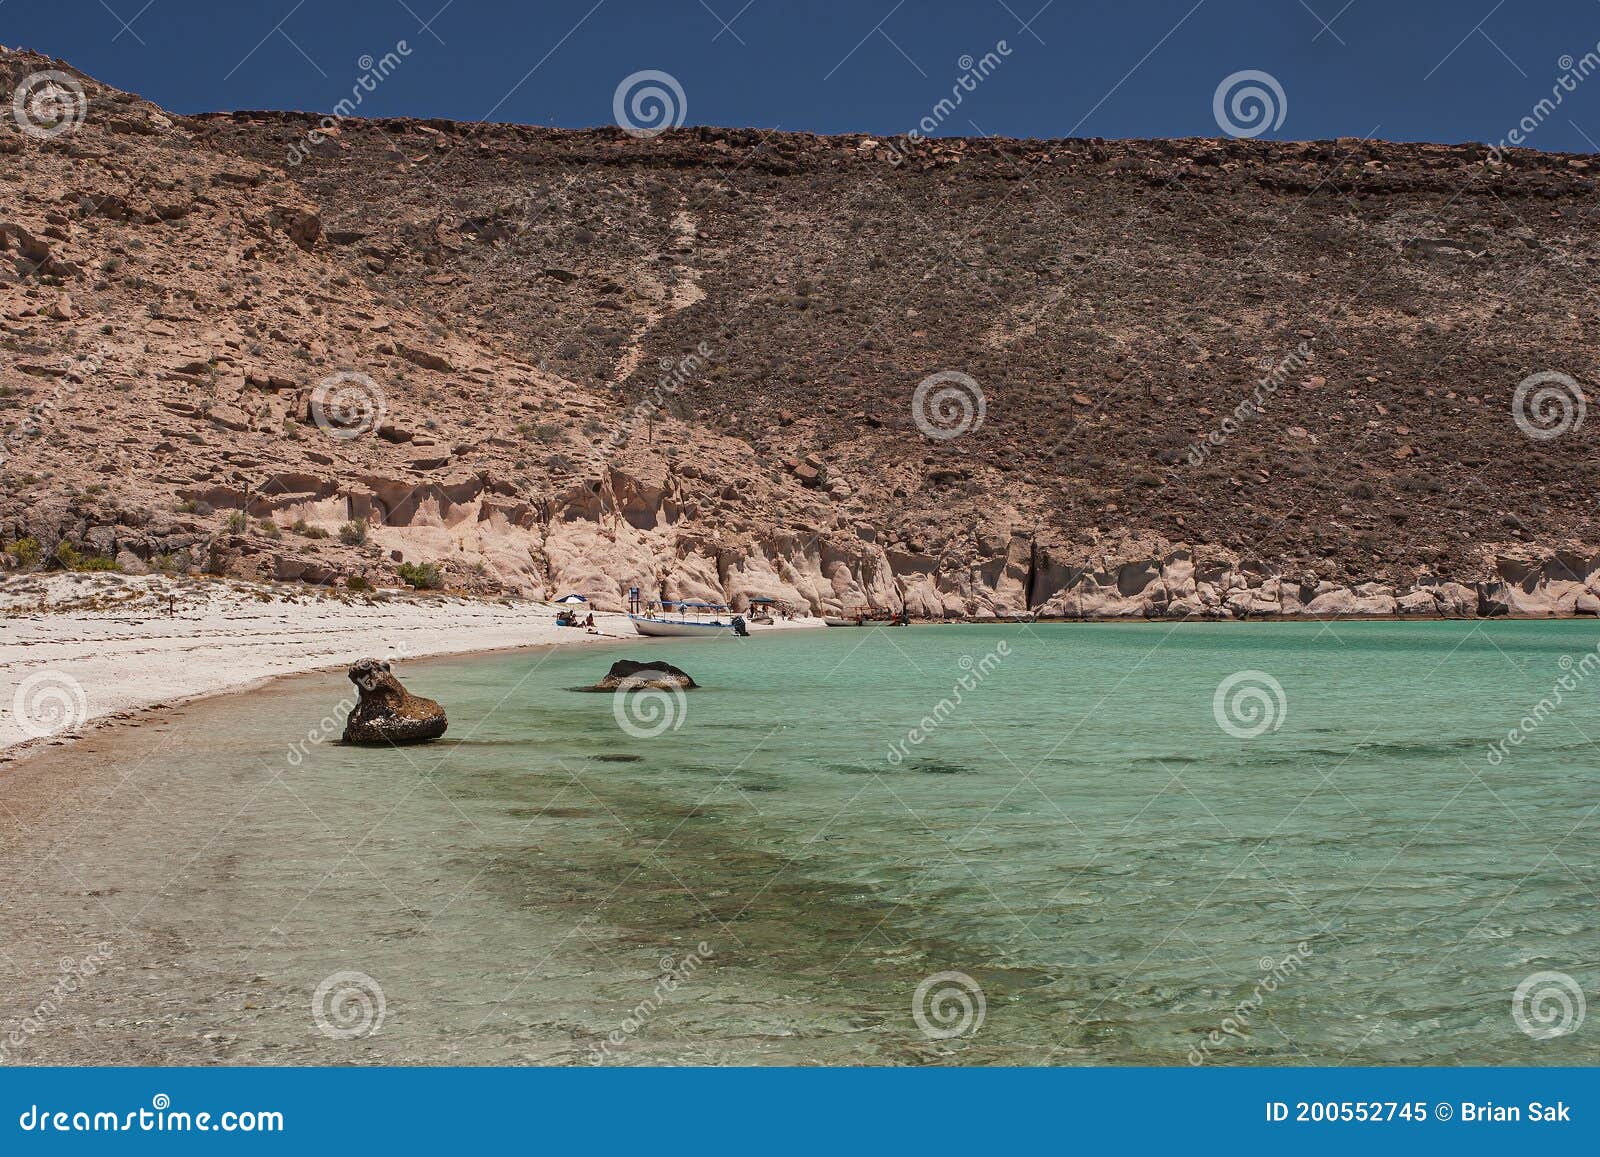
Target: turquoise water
[1112, 872]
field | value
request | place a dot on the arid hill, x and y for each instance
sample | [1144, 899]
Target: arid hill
[575, 359]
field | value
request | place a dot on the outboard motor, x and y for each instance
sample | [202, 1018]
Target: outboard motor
[739, 627]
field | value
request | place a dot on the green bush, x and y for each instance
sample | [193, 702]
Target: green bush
[238, 523]
[27, 550]
[356, 583]
[353, 533]
[70, 558]
[424, 576]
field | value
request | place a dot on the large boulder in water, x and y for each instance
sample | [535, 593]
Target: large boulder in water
[388, 713]
[626, 675]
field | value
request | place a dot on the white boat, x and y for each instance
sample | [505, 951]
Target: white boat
[837, 621]
[690, 622]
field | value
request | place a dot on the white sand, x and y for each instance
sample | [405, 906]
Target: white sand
[77, 648]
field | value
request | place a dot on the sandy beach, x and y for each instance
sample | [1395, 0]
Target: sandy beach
[78, 650]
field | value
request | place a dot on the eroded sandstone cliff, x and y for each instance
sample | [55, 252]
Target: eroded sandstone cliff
[543, 361]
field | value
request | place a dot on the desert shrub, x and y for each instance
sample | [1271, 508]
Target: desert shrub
[425, 576]
[237, 523]
[73, 559]
[26, 550]
[304, 528]
[356, 583]
[353, 533]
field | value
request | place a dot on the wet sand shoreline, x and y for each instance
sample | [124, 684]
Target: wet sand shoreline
[107, 648]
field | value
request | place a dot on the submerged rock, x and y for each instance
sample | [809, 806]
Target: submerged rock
[388, 713]
[627, 675]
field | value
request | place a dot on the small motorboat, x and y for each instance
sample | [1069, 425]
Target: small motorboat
[689, 620]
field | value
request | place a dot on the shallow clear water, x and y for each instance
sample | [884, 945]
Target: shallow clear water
[1076, 834]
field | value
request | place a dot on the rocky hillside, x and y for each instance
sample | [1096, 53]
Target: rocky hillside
[538, 359]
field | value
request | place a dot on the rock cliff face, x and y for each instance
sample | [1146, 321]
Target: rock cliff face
[547, 361]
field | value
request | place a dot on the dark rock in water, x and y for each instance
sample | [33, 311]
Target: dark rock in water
[626, 675]
[388, 713]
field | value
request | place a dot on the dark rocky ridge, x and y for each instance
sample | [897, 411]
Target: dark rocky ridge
[1114, 299]
[174, 291]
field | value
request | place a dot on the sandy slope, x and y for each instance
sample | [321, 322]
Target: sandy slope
[77, 648]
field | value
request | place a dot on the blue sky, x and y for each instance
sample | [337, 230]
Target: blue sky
[1420, 70]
